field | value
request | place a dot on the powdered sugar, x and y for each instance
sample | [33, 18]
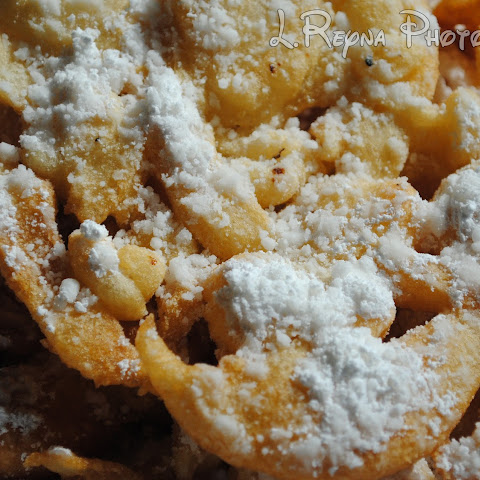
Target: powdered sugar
[103, 256]
[459, 203]
[178, 119]
[22, 181]
[362, 388]
[74, 90]
[93, 231]
[8, 154]
[333, 230]
[128, 367]
[188, 272]
[19, 182]
[103, 259]
[85, 300]
[359, 388]
[189, 156]
[461, 458]
[269, 293]
[67, 294]
[216, 29]
[452, 221]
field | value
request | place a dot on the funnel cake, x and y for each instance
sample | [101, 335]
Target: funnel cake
[266, 213]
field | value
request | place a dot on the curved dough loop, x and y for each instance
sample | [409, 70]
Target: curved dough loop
[209, 404]
[32, 261]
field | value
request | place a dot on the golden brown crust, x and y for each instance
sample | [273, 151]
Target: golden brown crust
[242, 190]
[93, 342]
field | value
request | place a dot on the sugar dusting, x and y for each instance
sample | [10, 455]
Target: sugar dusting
[362, 387]
[461, 458]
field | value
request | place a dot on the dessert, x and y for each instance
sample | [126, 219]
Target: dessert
[263, 213]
